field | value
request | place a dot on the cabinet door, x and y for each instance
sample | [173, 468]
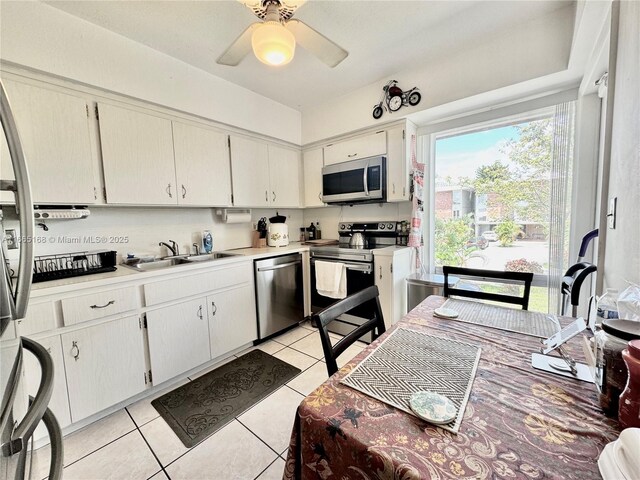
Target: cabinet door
[54, 130]
[250, 172]
[232, 319]
[397, 165]
[383, 272]
[59, 403]
[360, 147]
[104, 365]
[284, 177]
[203, 172]
[313, 163]
[137, 157]
[178, 339]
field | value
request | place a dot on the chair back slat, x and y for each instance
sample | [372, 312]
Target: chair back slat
[518, 277]
[325, 317]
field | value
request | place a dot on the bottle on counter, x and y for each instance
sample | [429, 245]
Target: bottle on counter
[607, 306]
[318, 231]
[629, 411]
[303, 235]
[207, 241]
[311, 230]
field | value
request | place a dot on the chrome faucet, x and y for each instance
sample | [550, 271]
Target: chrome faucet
[173, 248]
[197, 248]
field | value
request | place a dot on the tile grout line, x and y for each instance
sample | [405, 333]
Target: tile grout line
[148, 445]
[256, 435]
[267, 468]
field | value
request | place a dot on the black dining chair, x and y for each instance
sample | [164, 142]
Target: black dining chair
[368, 298]
[510, 277]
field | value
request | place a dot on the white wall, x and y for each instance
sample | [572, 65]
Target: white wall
[145, 228]
[499, 62]
[41, 37]
[622, 251]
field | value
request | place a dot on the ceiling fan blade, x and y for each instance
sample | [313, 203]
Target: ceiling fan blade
[309, 39]
[239, 49]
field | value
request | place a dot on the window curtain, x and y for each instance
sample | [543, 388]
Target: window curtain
[417, 212]
[560, 217]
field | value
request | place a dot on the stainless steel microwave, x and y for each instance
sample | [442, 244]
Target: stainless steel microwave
[355, 181]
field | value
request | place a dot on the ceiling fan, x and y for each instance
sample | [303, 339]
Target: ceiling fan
[274, 39]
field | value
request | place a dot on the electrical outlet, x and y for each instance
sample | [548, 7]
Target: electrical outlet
[611, 213]
[10, 237]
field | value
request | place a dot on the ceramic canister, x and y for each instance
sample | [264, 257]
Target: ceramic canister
[278, 235]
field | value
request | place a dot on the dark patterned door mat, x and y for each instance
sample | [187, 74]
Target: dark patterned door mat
[203, 406]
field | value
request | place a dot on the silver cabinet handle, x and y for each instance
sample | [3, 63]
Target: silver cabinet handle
[168, 190]
[200, 312]
[320, 196]
[266, 196]
[184, 191]
[394, 187]
[380, 272]
[215, 309]
[352, 155]
[274, 196]
[74, 346]
[110, 302]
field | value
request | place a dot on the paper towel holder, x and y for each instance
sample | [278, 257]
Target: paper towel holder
[234, 215]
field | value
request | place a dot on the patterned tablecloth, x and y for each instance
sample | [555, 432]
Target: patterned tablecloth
[520, 423]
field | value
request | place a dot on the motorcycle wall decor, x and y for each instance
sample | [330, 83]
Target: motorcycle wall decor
[393, 98]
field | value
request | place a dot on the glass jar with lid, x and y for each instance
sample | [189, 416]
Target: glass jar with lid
[611, 371]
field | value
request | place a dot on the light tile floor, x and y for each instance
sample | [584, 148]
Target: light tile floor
[136, 443]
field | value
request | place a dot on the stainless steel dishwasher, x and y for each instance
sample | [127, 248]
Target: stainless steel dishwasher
[279, 298]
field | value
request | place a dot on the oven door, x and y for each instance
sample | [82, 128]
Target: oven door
[359, 277]
[355, 181]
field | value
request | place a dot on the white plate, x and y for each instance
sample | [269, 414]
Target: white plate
[433, 407]
[445, 313]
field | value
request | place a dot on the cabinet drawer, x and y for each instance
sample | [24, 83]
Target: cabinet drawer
[360, 147]
[39, 318]
[176, 288]
[98, 305]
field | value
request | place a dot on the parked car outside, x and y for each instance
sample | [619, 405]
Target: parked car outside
[491, 236]
[479, 242]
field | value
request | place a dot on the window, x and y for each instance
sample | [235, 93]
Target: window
[500, 199]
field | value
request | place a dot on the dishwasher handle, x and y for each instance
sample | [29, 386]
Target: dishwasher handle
[277, 267]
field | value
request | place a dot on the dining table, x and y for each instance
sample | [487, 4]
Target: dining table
[519, 422]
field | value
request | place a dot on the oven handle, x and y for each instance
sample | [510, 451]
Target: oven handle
[366, 268]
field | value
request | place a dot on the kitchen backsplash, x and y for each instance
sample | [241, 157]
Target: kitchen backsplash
[140, 230]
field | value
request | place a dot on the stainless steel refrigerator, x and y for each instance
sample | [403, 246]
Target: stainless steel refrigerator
[17, 429]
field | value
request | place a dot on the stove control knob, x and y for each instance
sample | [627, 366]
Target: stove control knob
[342, 226]
[390, 226]
[381, 226]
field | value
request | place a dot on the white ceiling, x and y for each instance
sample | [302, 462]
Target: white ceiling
[382, 37]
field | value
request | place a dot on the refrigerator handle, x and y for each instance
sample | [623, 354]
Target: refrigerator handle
[24, 205]
[56, 446]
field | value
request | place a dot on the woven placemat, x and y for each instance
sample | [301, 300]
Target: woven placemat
[510, 319]
[408, 361]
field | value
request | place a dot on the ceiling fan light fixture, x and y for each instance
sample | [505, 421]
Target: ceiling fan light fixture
[273, 44]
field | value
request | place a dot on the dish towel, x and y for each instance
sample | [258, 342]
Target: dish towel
[331, 279]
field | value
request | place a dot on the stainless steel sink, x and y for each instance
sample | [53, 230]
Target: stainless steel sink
[207, 257]
[168, 262]
[157, 264]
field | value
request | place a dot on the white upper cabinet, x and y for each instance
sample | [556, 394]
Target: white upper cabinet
[137, 157]
[54, 130]
[203, 172]
[399, 161]
[313, 162]
[360, 147]
[284, 177]
[250, 172]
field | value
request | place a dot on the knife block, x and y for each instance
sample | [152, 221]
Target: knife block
[256, 241]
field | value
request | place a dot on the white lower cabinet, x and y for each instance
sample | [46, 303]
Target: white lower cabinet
[232, 319]
[59, 403]
[178, 339]
[104, 365]
[391, 272]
